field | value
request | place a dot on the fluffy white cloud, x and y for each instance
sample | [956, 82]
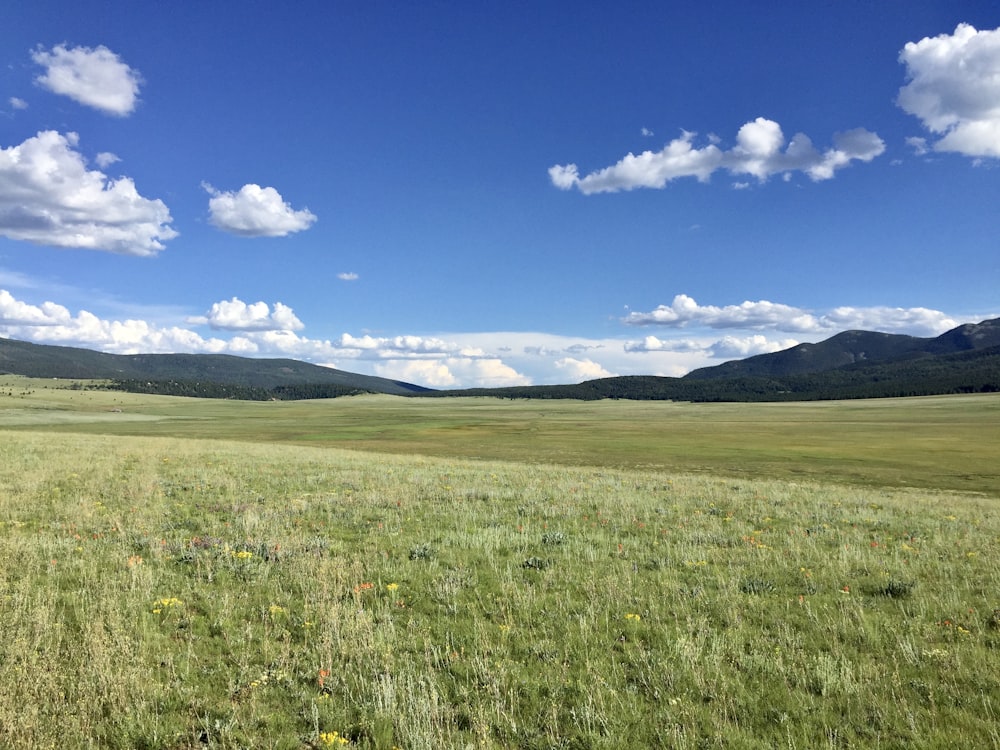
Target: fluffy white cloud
[348, 276]
[93, 77]
[237, 315]
[760, 151]
[49, 197]
[15, 312]
[916, 321]
[453, 373]
[735, 347]
[578, 370]
[17, 103]
[728, 347]
[256, 212]
[685, 311]
[954, 89]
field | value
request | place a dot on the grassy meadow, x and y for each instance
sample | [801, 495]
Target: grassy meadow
[380, 573]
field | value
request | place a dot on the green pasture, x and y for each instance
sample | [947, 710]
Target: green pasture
[946, 442]
[384, 573]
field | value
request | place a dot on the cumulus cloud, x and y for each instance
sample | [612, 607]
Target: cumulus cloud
[578, 370]
[17, 103]
[256, 212]
[51, 323]
[685, 311]
[15, 312]
[760, 151]
[348, 276]
[728, 347]
[236, 315]
[93, 77]
[954, 89]
[49, 197]
[735, 347]
[454, 372]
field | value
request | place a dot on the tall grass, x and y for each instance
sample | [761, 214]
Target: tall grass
[160, 593]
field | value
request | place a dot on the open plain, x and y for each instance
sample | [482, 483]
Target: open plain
[383, 572]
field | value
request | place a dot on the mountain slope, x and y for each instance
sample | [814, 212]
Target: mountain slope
[855, 348]
[45, 361]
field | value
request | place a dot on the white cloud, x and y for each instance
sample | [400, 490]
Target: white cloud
[685, 311]
[954, 89]
[728, 347]
[49, 197]
[236, 315]
[429, 373]
[105, 159]
[256, 212]
[654, 344]
[15, 312]
[919, 145]
[93, 77]
[760, 151]
[395, 347]
[916, 321]
[17, 103]
[578, 370]
[647, 133]
[735, 347]
[453, 373]
[348, 276]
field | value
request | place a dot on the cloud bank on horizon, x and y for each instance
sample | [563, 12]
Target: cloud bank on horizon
[455, 360]
[52, 194]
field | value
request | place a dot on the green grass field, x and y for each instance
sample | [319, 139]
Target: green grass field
[947, 442]
[379, 572]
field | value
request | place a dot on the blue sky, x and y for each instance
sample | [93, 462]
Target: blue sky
[464, 194]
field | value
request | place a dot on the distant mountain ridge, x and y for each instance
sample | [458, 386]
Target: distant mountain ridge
[854, 348]
[852, 364]
[46, 361]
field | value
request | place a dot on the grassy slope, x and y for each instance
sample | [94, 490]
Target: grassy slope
[173, 593]
[257, 587]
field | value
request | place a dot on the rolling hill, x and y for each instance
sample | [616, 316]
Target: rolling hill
[154, 372]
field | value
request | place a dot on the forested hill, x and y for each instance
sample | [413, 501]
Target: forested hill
[976, 371]
[209, 375]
